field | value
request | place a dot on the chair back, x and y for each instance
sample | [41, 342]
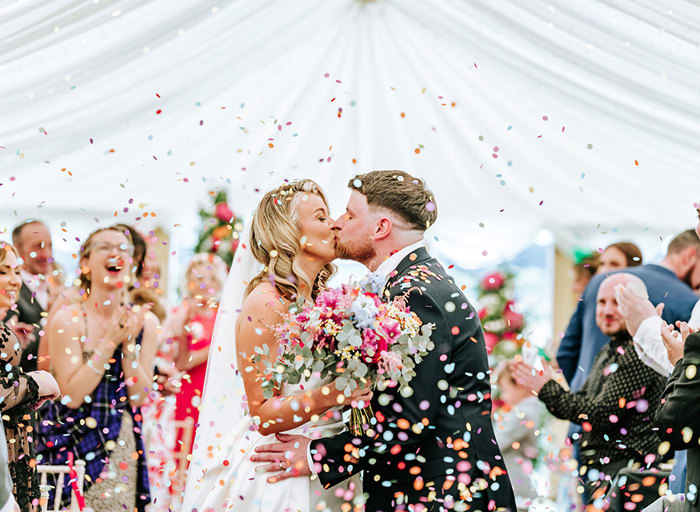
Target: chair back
[61, 473]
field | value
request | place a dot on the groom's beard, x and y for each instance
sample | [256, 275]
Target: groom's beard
[357, 251]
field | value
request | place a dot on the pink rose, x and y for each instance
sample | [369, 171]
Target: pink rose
[374, 342]
[493, 281]
[223, 212]
[491, 340]
[390, 328]
[390, 362]
[234, 244]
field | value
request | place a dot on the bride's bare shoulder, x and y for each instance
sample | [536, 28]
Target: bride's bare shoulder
[264, 303]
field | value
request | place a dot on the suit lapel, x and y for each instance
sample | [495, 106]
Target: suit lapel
[420, 255]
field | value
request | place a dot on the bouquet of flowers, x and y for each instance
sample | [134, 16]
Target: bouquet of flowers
[350, 334]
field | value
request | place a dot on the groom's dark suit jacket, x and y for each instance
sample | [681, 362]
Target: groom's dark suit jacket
[438, 444]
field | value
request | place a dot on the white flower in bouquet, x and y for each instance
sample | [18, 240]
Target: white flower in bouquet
[365, 311]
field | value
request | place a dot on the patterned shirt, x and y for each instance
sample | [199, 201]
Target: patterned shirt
[615, 405]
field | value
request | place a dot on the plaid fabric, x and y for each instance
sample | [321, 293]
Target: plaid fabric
[62, 430]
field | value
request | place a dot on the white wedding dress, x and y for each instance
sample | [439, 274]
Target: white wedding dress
[231, 482]
[221, 476]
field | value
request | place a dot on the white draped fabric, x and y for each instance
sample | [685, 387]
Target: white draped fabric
[579, 117]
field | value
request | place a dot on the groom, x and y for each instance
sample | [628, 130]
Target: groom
[434, 447]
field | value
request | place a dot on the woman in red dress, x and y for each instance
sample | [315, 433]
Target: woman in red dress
[196, 316]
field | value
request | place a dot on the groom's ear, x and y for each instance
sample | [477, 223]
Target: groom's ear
[382, 228]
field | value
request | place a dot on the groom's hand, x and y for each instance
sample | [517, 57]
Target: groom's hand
[288, 456]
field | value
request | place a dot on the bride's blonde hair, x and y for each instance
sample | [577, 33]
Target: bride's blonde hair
[275, 241]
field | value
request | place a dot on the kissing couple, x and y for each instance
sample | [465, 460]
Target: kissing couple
[431, 447]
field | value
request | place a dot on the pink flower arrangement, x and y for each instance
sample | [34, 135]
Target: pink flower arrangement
[223, 212]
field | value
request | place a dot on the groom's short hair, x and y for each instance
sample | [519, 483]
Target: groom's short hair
[399, 192]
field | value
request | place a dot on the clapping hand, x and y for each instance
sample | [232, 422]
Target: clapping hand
[635, 308]
[526, 376]
[48, 387]
[674, 341]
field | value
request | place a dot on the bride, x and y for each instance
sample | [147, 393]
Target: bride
[291, 236]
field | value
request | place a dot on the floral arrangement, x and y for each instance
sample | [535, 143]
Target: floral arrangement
[502, 323]
[350, 334]
[222, 228]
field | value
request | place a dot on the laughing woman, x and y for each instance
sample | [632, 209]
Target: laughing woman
[101, 351]
[20, 392]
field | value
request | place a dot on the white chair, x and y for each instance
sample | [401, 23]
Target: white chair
[61, 473]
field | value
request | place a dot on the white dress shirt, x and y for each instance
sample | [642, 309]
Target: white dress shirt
[390, 264]
[38, 285]
[383, 270]
[650, 346]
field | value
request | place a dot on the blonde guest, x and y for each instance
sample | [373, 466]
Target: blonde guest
[101, 351]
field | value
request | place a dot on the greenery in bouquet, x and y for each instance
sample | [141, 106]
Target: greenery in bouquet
[353, 336]
[221, 228]
[501, 321]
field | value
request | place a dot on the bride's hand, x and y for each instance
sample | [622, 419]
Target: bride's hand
[363, 393]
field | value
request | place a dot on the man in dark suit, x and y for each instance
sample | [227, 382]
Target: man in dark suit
[434, 444]
[33, 242]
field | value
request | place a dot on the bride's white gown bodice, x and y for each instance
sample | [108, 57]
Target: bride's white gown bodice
[229, 481]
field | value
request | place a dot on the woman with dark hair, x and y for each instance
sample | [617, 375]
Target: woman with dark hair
[618, 256]
[101, 349]
[20, 392]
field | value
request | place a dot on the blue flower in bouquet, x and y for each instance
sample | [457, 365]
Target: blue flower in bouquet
[365, 311]
[373, 282]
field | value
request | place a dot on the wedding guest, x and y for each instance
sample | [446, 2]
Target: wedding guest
[669, 281]
[678, 416]
[618, 256]
[137, 294]
[102, 351]
[20, 392]
[514, 425]
[584, 270]
[612, 405]
[646, 326]
[33, 242]
[206, 274]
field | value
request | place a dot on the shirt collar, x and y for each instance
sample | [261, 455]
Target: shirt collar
[389, 264]
[34, 281]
